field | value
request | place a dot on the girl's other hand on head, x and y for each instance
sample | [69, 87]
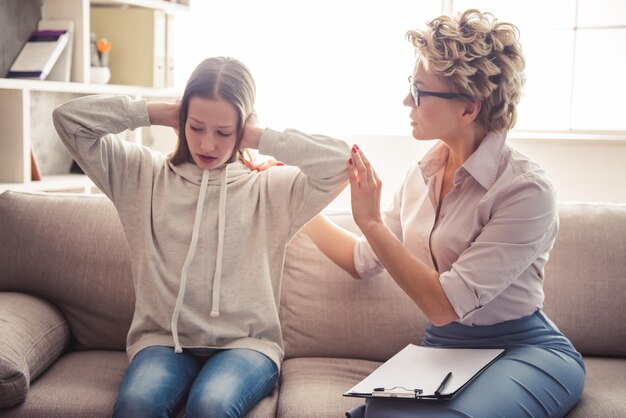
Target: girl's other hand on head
[165, 114]
[251, 132]
[177, 120]
[253, 119]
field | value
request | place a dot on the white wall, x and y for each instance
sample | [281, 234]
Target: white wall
[581, 169]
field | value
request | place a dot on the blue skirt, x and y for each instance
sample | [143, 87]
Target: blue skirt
[540, 375]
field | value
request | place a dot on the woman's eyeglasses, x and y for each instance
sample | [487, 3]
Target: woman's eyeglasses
[417, 93]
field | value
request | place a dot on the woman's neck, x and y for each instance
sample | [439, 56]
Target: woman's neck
[462, 145]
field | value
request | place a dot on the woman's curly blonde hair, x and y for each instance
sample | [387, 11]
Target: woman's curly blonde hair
[481, 58]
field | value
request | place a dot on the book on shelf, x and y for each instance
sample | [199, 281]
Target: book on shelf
[39, 54]
[62, 69]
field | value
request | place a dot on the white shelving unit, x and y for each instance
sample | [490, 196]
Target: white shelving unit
[166, 6]
[26, 105]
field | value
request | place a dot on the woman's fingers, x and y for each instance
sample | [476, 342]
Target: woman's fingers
[352, 176]
[367, 169]
[365, 188]
[361, 175]
[365, 172]
[358, 165]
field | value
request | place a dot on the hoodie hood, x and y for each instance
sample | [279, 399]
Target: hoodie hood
[221, 177]
[193, 174]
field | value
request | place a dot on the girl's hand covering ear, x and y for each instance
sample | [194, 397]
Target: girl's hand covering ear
[165, 114]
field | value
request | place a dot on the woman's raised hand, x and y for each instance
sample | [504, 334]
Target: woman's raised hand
[365, 187]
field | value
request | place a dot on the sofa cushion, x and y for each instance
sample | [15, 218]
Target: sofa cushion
[585, 278]
[86, 384]
[603, 396]
[313, 387]
[33, 334]
[82, 262]
[266, 407]
[79, 384]
[324, 312]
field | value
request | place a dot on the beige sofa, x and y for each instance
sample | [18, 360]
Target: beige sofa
[66, 301]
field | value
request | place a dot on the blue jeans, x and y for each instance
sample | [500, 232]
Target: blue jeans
[226, 384]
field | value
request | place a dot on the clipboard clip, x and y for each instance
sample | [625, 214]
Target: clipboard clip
[394, 393]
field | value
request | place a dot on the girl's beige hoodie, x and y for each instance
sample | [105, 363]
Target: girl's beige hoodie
[206, 247]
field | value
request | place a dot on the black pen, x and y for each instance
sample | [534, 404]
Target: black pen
[443, 385]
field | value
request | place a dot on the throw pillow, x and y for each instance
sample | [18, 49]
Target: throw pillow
[33, 334]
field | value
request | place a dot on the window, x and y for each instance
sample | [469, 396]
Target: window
[339, 67]
[599, 86]
[326, 66]
[574, 56]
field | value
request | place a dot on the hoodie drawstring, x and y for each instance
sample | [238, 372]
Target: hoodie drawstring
[190, 254]
[217, 279]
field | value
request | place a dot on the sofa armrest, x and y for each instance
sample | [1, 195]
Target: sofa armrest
[33, 334]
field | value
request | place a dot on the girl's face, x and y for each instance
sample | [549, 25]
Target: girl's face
[435, 117]
[211, 130]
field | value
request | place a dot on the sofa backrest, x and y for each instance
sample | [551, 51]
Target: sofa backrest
[585, 280]
[325, 312]
[70, 250]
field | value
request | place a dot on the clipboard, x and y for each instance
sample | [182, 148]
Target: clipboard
[418, 372]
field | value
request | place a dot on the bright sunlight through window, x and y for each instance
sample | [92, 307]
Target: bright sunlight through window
[340, 67]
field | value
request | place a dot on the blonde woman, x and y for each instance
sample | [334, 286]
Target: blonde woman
[470, 230]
